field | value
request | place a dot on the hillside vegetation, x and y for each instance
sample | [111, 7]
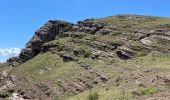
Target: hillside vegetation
[121, 57]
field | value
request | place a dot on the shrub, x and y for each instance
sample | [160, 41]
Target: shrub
[91, 37]
[56, 98]
[93, 96]
[4, 95]
[86, 52]
[116, 43]
[78, 35]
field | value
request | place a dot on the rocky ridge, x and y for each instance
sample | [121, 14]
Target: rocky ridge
[54, 28]
[49, 32]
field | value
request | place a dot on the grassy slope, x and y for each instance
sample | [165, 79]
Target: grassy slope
[3, 66]
[132, 23]
[49, 66]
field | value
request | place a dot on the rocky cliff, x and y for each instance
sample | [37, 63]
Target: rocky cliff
[50, 31]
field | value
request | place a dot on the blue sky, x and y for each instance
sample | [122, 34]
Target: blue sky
[20, 18]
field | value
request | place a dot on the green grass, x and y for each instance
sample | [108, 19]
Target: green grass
[45, 66]
[59, 41]
[39, 67]
[93, 96]
[91, 37]
[139, 48]
[78, 35]
[111, 40]
[130, 23]
[44, 62]
[7, 93]
[108, 39]
[148, 91]
[107, 93]
[3, 66]
[87, 52]
[151, 60]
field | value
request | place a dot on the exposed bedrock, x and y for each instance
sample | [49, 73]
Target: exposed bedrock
[45, 34]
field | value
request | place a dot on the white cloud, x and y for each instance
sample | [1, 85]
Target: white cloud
[7, 53]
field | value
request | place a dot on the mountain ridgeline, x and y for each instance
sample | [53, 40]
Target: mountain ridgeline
[121, 57]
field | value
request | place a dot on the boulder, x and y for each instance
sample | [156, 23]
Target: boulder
[141, 35]
[67, 57]
[104, 32]
[124, 53]
[147, 41]
[96, 55]
[87, 26]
